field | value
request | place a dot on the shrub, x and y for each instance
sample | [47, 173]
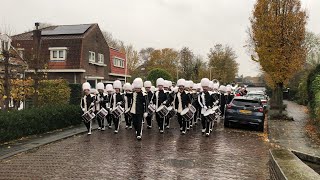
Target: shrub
[54, 92]
[17, 124]
[154, 74]
[76, 93]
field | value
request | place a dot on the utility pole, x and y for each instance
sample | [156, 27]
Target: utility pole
[36, 56]
[6, 55]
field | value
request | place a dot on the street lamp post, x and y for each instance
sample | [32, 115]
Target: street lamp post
[5, 52]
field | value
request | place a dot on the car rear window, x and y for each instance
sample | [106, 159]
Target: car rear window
[245, 102]
[260, 96]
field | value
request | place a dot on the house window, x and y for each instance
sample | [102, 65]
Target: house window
[101, 58]
[92, 56]
[20, 52]
[57, 53]
[117, 62]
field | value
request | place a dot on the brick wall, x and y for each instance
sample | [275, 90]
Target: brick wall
[114, 69]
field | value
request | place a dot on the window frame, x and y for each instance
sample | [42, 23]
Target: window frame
[100, 58]
[118, 62]
[58, 50]
[92, 54]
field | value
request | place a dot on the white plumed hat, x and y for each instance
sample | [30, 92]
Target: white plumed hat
[228, 88]
[117, 84]
[147, 84]
[109, 87]
[181, 82]
[205, 82]
[160, 82]
[137, 83]
[210, 84]
[215, 86]
[166, 83]
[170, 83]
[100, 85]
[127, 86]
[153, 89]
[86, 85]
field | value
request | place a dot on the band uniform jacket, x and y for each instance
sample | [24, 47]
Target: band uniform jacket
[205, 99]
[127, 101]
[195, 101]
[117, 98]
[159, 97]
[86, 102]
[101, 101]
[139, 103]
[216, 97]
[185, 100]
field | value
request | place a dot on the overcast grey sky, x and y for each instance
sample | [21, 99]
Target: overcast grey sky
[198, 24]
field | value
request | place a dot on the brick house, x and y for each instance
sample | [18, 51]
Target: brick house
[118, 65]
[77, 53]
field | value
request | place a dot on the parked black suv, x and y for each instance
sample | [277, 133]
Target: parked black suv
[245, 110]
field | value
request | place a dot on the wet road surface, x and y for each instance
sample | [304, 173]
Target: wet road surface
[226, 154]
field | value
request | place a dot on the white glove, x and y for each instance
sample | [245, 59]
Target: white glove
[92, 104]
[83, 109]
[145, 115]
[119, 103]
[164, 102]
[205, 107]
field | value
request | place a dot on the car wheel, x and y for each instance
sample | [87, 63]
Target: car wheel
[226, 123]
[261, 127]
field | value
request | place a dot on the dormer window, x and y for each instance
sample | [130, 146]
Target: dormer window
[58, 53]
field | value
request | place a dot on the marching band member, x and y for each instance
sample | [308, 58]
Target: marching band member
[160, 98]
[127, 104]
[109, 89]
[87, 102]
[101, 102]
[138, 107]
[148, 86]
[195, 102]
[229, 94]
[167, 85]
[188, 90]
[117, 100]
[181, 101]
[206, 102]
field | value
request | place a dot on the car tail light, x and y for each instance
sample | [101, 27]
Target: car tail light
[260, 109]
[229, 106]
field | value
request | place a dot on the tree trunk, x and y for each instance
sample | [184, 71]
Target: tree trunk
[278, 97]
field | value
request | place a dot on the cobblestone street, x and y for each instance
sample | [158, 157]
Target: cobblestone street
[226, 154]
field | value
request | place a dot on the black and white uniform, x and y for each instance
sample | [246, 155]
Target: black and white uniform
[87, 102]
[138, 108]
[101, 102]
[181, 101]
[195, 103]
[148, 101]
[206, 102]
[117, 100]
[170, 96]
[109, 116]
[189, 123]
[127, 105]
[160, 98]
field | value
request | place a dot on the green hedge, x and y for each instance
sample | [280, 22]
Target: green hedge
[76, 93]
[17, 124]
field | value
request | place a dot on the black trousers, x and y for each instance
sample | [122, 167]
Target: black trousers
[167, 121]
[182, 122]
[137, 123]
[197, 115]
[128, 119]
[149, 120]
[87, 124]
[205, 124]
[116, 122]
[100, 122]
[222, 108]
[109, 119]
[160, 121]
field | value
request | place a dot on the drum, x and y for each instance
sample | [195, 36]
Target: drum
[216, 110]
[187, 114]
[151, 109]
[209, 115]
[171, 113]
[162, 111]
[88, 116]
[102, 113]
[193, 109]
[118, 111]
